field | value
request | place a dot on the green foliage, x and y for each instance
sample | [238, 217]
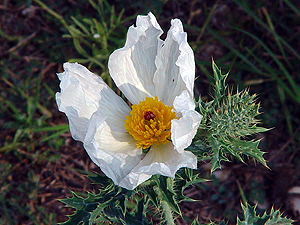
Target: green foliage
[112, 204]
[264, 50]
[167, 193]
[283, 46]
[228, 123]
[28, 140]
[109, 205]
[195, 222]
[96, 38]
[171, 190]
[184, 178]
[280, 60]
[251, 218]
[27, 111]
[120, 206]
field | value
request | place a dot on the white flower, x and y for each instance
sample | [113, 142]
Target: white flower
[157, 77]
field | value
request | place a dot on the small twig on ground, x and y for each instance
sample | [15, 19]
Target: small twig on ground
[21, 43]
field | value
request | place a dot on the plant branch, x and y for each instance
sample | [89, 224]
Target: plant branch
[168, 212]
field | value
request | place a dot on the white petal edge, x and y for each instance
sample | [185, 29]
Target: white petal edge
[184, 129]
[110, 135]
[116, 166]
[82, 93]
[175, 65]
[78, 98]
[133, 66]
[113, 150]
[163, 160]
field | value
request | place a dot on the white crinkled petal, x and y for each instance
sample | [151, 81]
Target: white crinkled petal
[82, 93]
[175, 65]
[116, 166]
[133, 66]
[113, 150]
[163, 160]
[183, 102]
[110, 135]
[184, 129]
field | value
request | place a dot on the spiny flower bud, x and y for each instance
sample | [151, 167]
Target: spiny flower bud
[235, 116]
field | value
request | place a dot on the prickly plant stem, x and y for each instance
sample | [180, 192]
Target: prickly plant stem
[168, 213]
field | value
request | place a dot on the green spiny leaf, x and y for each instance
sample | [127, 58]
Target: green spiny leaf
[74, 202]
[184, 178]
[250, 217]
[229, 123]
[98, 217]
[79, 217]
[165, 186]
[201, 150]
[249, 148]
[150, 192]
[139, 216]
[101, 179]
[235, 116]
[220, 85]
[275, 217]
[109, 204]
[218, 154]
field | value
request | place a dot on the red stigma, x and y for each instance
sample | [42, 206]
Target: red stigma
[149, 115]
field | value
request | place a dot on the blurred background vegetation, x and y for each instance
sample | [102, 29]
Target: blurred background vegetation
[259, 42]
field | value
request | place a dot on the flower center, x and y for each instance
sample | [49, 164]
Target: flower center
[149, 115]
[150, 122]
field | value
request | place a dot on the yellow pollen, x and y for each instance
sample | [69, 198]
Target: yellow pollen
[150, 122]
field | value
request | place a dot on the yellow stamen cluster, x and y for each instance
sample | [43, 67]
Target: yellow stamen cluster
[150, 122]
